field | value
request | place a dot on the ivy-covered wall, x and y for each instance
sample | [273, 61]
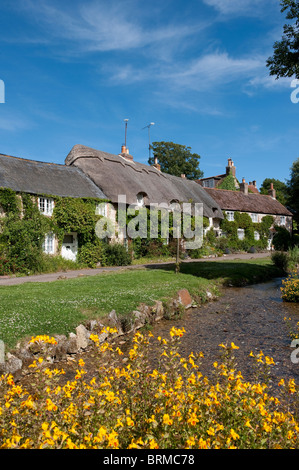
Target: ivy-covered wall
[244, 221]
[23, 228]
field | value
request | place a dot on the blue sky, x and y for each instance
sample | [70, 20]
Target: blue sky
[74, 70]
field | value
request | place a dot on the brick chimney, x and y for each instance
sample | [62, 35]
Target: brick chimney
[244, 187]
[272, 191]
[156, 164]
[125, 153]
[230, 169]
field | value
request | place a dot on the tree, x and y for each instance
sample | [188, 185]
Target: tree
[280, 188]
[293, 189]
[285, 60]
[176, 159]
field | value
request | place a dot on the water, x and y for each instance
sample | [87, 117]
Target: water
[252, 317]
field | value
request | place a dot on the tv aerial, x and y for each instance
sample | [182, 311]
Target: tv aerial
[149, 137]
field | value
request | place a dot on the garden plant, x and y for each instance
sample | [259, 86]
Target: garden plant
[129, 403]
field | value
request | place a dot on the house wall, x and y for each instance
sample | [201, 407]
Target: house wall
[277, 221]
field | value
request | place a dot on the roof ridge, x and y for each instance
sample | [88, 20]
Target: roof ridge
[30, 160]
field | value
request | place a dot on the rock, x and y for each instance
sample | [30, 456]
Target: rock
[209, 295]
[82, 337]
[72, 344]
[139, 319]
[13, 364]
[158, 310]
[185, 298]
[91, 324]
[113, 317]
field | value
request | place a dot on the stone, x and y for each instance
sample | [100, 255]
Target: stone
[82, 337]
[185, 298]
[158, 310]
[113, 317]
[139, 319]
[13, 364]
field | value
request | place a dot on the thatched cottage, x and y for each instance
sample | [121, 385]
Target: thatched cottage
[90, 173]
[44, 181]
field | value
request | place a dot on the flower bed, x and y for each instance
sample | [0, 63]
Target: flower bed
[129, 404]
[290, 289]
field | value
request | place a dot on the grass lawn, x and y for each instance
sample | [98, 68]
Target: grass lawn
[58, 307]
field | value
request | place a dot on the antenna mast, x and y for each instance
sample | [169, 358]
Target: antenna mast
[126, 127]
[149, 137]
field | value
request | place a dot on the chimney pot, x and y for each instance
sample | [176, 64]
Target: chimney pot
[272, 191]
[244, 187]
[183, 176]
[230, 169]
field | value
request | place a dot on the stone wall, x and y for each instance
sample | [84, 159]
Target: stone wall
[24, 354]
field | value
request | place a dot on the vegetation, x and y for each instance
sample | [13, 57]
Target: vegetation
[290, 288]
[58, 307]
[131, 405]
[228, 183]
[280, 187]
[176, 159]
[285, 60]
[293, 189]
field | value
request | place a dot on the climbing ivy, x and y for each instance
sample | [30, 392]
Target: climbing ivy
[244, 221]
[23, 228]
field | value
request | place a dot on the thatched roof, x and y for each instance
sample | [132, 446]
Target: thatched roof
[253, 203]
[116, 175]
[35, 177]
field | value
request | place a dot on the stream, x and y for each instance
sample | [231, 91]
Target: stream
[253, 318]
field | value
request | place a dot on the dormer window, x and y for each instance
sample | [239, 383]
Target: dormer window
[140, 200]
[46, 205]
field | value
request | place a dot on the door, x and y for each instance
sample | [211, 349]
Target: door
[69, 249]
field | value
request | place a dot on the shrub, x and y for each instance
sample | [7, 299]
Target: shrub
[91, 254]
[282, 239]
[280, 259]
[129, 404]
[117, 255]
[293, 257]
[290, 289]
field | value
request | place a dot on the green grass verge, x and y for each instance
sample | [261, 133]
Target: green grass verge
[58, 307]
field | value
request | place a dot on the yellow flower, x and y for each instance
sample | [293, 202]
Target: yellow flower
[234, 435]
[167, 420]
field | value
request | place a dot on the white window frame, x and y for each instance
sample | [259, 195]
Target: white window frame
[48, 244]
[254, 217]
[102, 209]
[283, 220]
[256, 235]
[230, 216]
[46, 205]
[241, 233]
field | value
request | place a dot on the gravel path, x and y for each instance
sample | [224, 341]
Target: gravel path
[12, 280]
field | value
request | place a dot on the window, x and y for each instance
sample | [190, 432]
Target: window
[140, 200]
[68, 239]
[48, 245]
[254, 218]
[208, 183]
[282, 220]
[241, 233]
[45, 205]
[256, 235]
[101, 209]
[230, 216]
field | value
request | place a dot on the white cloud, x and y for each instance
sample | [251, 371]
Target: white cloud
[111, 26]
[228, 7]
